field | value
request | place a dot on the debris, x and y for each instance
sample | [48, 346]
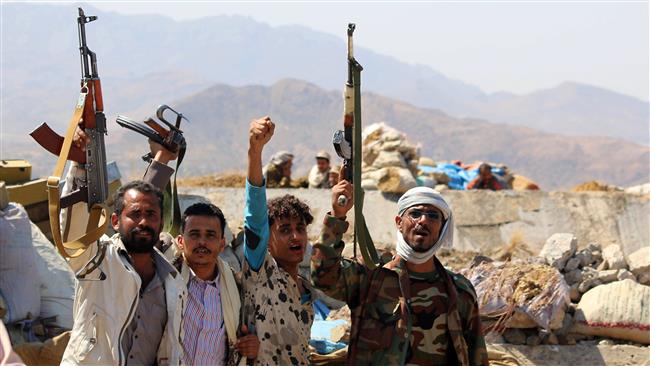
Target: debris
[613, 255]
[514, 336]
[595, 186]
[624, 274]
[639, 261]
[558, 249]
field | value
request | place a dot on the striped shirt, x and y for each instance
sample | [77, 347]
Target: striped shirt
[204, 341]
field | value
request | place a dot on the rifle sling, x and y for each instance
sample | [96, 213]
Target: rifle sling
[98, 218]
[361, 233]
[171, 204]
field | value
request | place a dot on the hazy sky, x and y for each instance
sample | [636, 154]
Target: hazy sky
[513, 46]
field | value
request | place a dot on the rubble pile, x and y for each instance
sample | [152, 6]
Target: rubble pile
[389, 161]
[606, 291]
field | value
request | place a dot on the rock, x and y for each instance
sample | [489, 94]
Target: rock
[574, 293]
[607, 276]
[594, 247]
[588, 284]
[494, 337]
[644, 279]
[558, 249]
[585, 257]
[596, 255]
[441, 187]
[567, 340]
[573, 277]
[533, 340]
[389, 158]
[624, 274]
[602, 266]
[551, 339]
[572, 264]
[571, 308]
[514, 336]
[616, 310]
[613, 255]
[606, 342]
[536, 260]
[639, 261]
[369, 184]
[396, 180]
[567, 322]
[480, 259]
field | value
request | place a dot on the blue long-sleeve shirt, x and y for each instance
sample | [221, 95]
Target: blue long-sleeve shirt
[256, 225]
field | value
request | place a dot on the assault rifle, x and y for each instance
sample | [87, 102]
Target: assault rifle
[171, 138]
[347, 144]
[89, 116]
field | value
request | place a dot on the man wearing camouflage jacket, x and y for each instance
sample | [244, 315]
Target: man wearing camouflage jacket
[411, 310]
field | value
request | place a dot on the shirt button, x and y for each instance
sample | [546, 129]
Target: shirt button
[92, 340]
[131, 356]
[135, 336]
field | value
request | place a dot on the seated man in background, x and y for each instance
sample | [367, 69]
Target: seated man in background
[319, 175]
[278, 171]
[486, 180]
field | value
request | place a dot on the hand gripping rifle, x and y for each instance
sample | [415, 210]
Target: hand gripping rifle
[347, 144]
[89, 116]
[172, 139]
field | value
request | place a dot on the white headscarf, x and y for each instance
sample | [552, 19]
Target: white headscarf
[425, 196]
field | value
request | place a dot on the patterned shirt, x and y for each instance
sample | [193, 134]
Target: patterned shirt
[445, 323]
[273, 305]
[204, 341]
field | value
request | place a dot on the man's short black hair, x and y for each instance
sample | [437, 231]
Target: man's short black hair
[140, 186]
[288, 206]
[204, 209]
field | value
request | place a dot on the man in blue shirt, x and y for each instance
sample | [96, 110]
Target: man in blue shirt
[277, 301]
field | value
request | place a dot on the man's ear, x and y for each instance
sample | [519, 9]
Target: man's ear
[398, 222]
[180, 241]
[115, 221]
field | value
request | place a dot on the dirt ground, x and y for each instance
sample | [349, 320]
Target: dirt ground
[578, 355]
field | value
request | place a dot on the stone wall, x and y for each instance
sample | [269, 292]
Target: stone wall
[485, 219]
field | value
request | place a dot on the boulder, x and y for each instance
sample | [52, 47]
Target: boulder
[639, 261]
[514, 336]
[644, 279]
[558, 249]
[624, 274]
[573, 277]
[607, 276]
[572, 264]
[388, 159]
[585, 257]
[616, 310]
[613, 255]
[396, 180]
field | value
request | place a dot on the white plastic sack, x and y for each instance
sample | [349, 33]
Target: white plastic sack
[56, 280]
[19, 280]
[616, 310]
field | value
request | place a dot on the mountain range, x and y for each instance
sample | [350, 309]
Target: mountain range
[150, 59]
[306, 117]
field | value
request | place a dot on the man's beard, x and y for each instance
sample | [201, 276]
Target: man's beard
[134, 244]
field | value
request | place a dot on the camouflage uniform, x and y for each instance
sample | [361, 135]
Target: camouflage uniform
[275, 179]
[445, 323]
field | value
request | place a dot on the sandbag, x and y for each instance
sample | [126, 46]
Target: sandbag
[19, 280]
[615, 310]
[507, 288]
[56, 281]
[396, 180]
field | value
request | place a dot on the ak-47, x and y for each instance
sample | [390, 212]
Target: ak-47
[171, 138]
[347, 144]
[89, 116]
